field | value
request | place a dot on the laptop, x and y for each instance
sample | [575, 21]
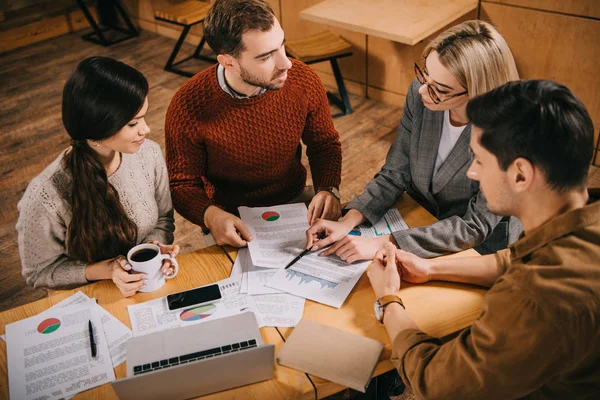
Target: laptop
[196, 360]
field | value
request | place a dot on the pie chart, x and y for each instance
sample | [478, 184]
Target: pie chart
[270, 216]
[196, 313]
[48, 325]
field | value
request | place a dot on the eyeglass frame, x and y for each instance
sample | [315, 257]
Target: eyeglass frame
[432, 93]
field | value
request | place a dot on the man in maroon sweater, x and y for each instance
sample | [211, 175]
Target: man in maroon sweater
[234, 131]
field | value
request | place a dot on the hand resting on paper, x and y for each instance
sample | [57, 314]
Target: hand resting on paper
[226, 228]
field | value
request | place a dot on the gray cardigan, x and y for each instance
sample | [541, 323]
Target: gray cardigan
[44, 215]
[451, 197]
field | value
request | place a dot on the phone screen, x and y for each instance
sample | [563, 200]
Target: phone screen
[205, 294]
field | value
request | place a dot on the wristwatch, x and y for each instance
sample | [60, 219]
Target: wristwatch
[333, 190]
[382, 302]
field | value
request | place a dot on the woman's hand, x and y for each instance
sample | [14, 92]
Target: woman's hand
[127, 283]
[354, 248]
[170, 249]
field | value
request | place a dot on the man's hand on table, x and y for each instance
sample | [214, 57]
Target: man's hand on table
[324, 205]
[412, 268]
[226, 228]
[383, 272]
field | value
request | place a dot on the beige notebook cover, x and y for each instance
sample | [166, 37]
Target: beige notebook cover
[332, 354]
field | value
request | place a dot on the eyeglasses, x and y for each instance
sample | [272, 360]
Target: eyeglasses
[432, 93]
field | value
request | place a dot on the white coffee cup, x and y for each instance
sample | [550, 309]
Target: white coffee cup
[150, 263]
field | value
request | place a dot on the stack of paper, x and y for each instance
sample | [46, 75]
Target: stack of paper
[279, 234]
[270, 309]
[49, 355]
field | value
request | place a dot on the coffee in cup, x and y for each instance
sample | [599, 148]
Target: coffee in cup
[146, 258]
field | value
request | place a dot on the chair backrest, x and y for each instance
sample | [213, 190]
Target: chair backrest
[186, 13]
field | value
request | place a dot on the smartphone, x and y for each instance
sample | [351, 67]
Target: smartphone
[193, 297]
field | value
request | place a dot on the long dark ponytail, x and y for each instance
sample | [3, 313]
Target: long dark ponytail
[100, 97]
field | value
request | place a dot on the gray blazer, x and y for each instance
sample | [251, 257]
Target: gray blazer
[450, 196]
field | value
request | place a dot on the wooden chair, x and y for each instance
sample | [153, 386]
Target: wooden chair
[186, 14]
[325, 46]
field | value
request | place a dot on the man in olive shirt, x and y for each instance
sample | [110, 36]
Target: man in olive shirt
[538, 332]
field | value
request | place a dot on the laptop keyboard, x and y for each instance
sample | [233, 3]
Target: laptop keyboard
[199, 355]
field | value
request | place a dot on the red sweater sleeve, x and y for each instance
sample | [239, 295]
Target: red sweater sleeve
[186, 155]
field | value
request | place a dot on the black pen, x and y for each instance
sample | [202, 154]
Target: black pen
[295, 260]
[320, 235]
[92, 341]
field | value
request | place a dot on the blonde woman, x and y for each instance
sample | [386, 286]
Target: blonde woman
[430, 156]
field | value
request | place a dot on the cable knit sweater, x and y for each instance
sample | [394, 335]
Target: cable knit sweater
[231, 152]
[44, 215]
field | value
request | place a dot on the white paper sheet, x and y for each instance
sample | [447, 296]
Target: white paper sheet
[49, 354]
[327, 280]
[241, 259]
[392, 221]
[237, 270]
[116, 332]
[282, 310]
[154, 315]
[276, 231]
[257, 277]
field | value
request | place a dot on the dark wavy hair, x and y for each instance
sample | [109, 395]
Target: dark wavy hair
[541, 121]
[228, 20]
[100, 97]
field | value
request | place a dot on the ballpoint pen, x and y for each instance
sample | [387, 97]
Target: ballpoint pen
[320, 235]
[92, 341]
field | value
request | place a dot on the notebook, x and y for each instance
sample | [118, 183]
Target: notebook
[332, 354]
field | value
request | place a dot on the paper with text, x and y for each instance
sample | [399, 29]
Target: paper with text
[327, 280]
[116, 332]
[392, 221]
[276, 230]
[49, 354]
[282, 310]
[154, 315]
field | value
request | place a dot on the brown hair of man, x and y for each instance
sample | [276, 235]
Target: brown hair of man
[228, 20]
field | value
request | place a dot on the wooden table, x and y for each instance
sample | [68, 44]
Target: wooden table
[438, 308]
[198, 268]
[404, 21]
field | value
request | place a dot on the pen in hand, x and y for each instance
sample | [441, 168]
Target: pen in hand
[92, 341]
[320, 235]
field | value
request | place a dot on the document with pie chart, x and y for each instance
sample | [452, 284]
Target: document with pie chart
[277, 231]
[49, 355]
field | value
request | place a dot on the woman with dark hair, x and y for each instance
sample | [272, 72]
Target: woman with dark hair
[103, 195]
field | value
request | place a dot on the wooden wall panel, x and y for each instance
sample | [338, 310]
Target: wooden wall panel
[553, 46]
[353, 68]
[390, 64]
[275, 4]
[584, 8]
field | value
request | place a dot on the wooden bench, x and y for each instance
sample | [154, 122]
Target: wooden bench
[325, 46]
[186, 14]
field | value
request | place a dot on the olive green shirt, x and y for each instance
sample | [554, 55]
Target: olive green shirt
[538, 335]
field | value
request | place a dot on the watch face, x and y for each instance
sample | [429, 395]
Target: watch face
[377, 310]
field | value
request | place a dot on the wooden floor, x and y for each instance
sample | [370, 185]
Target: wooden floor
[31, 82]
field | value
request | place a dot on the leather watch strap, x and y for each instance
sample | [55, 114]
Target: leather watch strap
[390, 298]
